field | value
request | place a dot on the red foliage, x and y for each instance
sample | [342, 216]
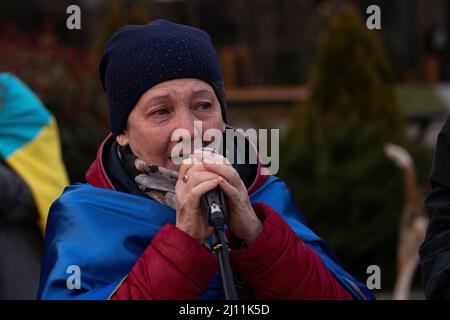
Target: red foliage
[66, 79]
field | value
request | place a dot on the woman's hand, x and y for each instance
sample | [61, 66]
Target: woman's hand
[189, 212]
[243, 221]
[207, 171]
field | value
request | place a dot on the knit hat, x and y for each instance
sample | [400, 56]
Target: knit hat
[138, 57]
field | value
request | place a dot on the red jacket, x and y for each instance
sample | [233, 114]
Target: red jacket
[276, 265]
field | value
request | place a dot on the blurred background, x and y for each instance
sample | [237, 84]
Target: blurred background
[339, 93]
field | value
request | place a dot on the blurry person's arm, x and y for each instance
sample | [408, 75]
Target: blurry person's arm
[16, 200]
[279, 265]
[174, 266]
[435, 251]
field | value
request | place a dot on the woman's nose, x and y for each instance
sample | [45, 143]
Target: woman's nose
[187, 121]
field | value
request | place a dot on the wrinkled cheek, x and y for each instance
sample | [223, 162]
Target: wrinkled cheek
[216, 123]
[220, 124]
[150, 147]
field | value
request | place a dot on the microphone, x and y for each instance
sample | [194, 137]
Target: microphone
[214, 204]
[215, 208]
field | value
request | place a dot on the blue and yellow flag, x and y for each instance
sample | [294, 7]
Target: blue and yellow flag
[29, 143]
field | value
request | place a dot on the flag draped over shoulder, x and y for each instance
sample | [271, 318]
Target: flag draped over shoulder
[104, 232]
[29, 143]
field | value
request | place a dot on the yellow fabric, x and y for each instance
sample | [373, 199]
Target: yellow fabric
[40, 164]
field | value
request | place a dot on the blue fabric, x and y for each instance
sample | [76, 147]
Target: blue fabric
[22, 115]
[104, 232]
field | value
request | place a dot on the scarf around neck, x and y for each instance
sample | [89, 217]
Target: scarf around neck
[156, 182]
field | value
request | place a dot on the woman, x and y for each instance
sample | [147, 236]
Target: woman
[158, 78]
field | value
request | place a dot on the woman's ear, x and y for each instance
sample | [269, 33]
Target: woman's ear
[122, 139]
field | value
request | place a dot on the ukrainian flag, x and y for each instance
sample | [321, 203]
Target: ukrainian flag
[29, 143]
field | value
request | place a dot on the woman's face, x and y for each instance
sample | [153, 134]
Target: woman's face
[170, 105]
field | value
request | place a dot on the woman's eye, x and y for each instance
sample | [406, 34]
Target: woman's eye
[204, 106]
[160, 112]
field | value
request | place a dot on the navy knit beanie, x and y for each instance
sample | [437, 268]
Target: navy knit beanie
[138, 57]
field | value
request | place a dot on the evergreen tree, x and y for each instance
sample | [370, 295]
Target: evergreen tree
[333, 158]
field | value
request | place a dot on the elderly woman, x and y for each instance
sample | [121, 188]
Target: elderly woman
[137, 230]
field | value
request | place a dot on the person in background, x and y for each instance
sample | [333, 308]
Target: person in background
[32, 176]
[435, 250]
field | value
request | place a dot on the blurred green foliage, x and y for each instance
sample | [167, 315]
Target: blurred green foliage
[416, 100]
[332, 157]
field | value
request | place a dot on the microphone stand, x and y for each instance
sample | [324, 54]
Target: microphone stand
[221, 247]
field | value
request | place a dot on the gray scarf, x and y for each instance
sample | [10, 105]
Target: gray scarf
[157, 182]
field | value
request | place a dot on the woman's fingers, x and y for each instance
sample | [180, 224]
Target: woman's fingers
[243, 221]
[227, 172]
[232, 193]
[213, 167]
[216, 157]
[220, 165]
[190, 217]
[212, 172]
[201, 189]
[197, 177]
[186, 164]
